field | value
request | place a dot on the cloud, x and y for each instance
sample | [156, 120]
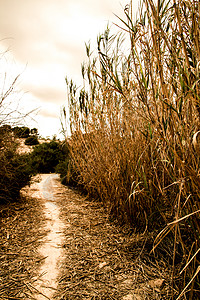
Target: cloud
[38, 27]
[48, 94]
[46, 39]
[49, 31]
[45, 113]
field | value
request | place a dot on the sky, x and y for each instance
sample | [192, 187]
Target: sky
[44, 42]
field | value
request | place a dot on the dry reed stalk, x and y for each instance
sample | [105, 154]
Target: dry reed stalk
[136, 120]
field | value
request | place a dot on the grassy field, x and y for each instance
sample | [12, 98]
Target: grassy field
[133, 124]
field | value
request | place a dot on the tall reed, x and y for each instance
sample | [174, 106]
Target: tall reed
[132, 126]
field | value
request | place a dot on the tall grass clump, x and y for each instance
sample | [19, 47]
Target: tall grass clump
[132, 128]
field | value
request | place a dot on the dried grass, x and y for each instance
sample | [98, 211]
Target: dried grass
[20, 234]
[104, 261]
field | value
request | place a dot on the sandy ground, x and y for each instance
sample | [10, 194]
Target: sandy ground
[23, 149]
[50, 249]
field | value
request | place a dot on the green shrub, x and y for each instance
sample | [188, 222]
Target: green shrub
[45, 157]
[5, 129]
[62, 167]
[15, 171]
[21, 132]
[31, 141]
[68, 172]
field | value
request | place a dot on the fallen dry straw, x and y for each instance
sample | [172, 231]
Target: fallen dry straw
[20, 235]
[103, 261]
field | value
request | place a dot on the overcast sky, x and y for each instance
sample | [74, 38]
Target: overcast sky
[46, 42]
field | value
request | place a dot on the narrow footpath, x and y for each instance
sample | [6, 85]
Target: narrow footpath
[52, 244]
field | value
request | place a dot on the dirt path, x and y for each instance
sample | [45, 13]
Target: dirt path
[51, 246]
[88, 257]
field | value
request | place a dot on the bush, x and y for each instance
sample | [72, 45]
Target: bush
[5, 129]
[21, 132]
[15, 171]
[31, 141]
[45, 157]
[68, 173]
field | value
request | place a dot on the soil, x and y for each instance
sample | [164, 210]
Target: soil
[61, 245]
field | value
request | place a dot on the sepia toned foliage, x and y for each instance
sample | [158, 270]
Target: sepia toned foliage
[132, 128]
[15, 172]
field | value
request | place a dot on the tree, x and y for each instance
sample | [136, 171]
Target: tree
[34, 131]
[21, 132]
[5, 129]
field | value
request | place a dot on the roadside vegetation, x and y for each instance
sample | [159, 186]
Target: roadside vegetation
[15, 171]
[16, 166]
[132, 128]
[48, 156]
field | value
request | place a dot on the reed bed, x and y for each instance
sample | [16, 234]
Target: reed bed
[133, 124]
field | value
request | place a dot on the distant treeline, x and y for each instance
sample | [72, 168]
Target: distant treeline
[18, 131]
